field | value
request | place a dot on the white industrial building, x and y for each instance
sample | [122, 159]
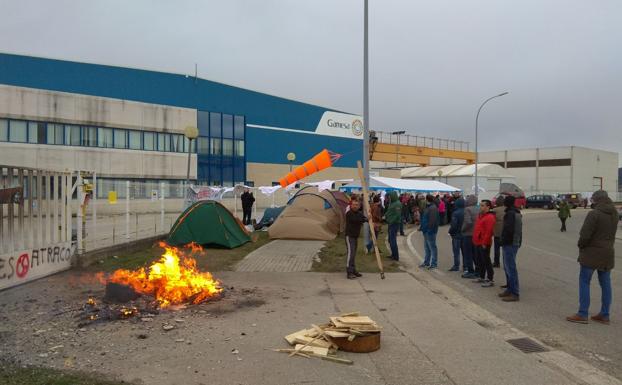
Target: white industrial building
[559, 169]
[462, 176]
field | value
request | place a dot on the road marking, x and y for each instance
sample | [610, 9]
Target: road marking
[564, 257]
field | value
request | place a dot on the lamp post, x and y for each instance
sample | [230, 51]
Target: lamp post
[476, 148]
[191, 133]
[397, 149]
[291, 157]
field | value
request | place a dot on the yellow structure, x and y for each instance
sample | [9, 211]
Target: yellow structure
[387, 147]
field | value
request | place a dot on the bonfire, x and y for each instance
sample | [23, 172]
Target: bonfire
[173, 279]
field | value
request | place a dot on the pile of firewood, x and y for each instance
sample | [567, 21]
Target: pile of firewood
[322, 341]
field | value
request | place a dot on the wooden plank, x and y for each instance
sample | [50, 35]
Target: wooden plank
[336, 334]
[311, 349]
[361, 320]
[369, 218]
[300, 339]
[291, 338]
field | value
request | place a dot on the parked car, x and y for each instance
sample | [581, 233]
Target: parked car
[542, 201]
[519, 202]
[574, 200]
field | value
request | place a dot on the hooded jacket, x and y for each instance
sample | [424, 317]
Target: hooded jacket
[430, 219]
[457, 217]
[483, 231]
[393, 213]
[564, 210]
[598, 234]
[512, 231]
[470, 216]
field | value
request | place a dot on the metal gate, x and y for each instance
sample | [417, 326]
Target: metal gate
[35, 224]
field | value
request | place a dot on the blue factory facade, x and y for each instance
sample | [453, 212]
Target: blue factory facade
[237, 127]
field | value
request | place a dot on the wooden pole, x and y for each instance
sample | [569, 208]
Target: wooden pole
[369, 218]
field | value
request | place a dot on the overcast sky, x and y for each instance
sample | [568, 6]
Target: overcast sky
[431, 62]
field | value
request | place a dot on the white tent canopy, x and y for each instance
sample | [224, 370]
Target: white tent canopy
[396, 184]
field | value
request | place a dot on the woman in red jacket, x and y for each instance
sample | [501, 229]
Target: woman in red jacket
[482, 240]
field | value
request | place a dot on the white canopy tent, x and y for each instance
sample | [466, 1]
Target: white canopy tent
[379, 183]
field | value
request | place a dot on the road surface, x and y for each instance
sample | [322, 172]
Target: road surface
[548, 273]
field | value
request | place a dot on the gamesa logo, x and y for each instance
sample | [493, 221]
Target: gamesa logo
[357, 127]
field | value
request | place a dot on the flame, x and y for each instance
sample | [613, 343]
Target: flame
[91, 301]
[173, 279]
[194, 247]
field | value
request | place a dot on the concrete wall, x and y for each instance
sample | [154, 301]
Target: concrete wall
[35, 104]
[579, 177]
[106, 162]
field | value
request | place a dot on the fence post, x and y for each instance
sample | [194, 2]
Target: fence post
[162, 206]
[127, 209]
[79, 214]
[94, 220]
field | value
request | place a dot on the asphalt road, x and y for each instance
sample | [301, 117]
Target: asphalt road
[548, 273]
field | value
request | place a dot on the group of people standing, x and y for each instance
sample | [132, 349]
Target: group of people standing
[473, 232]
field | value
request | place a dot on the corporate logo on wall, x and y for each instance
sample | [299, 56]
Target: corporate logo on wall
[26, 265]
[339, 124]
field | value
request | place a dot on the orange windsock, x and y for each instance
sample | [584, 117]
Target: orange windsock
[319, 162]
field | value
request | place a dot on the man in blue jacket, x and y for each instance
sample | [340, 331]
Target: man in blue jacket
[455, 230]
[429, 227]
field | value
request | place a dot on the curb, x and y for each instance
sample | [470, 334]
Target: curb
[574, 367]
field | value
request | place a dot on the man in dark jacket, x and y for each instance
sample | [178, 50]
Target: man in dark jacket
[247, 206]
[429, 227]
[393, 216]
[596, 252]
[511, 240]
[354, 221]
[468, 250]
[455, 230]
[499, 211]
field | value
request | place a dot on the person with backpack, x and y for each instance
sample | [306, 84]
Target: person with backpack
[482, 240]
[563, 214]
[455, 231]
[247, 206]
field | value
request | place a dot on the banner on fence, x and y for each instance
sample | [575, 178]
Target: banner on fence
[27, 265]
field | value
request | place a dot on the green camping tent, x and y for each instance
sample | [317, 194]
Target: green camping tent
[208, 223]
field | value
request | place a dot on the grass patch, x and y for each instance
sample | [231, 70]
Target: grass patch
[332, 257]
[14, 375]
[212, 259]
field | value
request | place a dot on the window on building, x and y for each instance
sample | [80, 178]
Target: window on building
[215, 125]
[239, 148]
[135, 140]
[238, 127]
[177, 143]
[55, 133]
[18, 131]
[4, 130]
[72, 135]
[164, 142]
[89, 136]
[227, 126]
[36, 133]
[186, 144]
[555, 162]
[227, 147]
[202, 145]
[104, 137]
[521, 163]
[149, 141]
[120, 138]
[215, 146]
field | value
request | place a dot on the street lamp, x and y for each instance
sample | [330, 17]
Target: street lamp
[191, 133]
[476, 132]
[397, 148]
[291, 157]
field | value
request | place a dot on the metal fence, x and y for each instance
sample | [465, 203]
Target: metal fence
[422, 141]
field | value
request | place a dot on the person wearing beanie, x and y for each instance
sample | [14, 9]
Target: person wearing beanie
[499, 211]
[511, 240]
[596, 253]
[468, 250]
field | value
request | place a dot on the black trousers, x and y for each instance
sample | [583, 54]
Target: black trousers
[485, 264]
[351, 245]
[246, 217]
[563, 223]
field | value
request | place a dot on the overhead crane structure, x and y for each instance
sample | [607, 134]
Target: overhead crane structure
[410, 149]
